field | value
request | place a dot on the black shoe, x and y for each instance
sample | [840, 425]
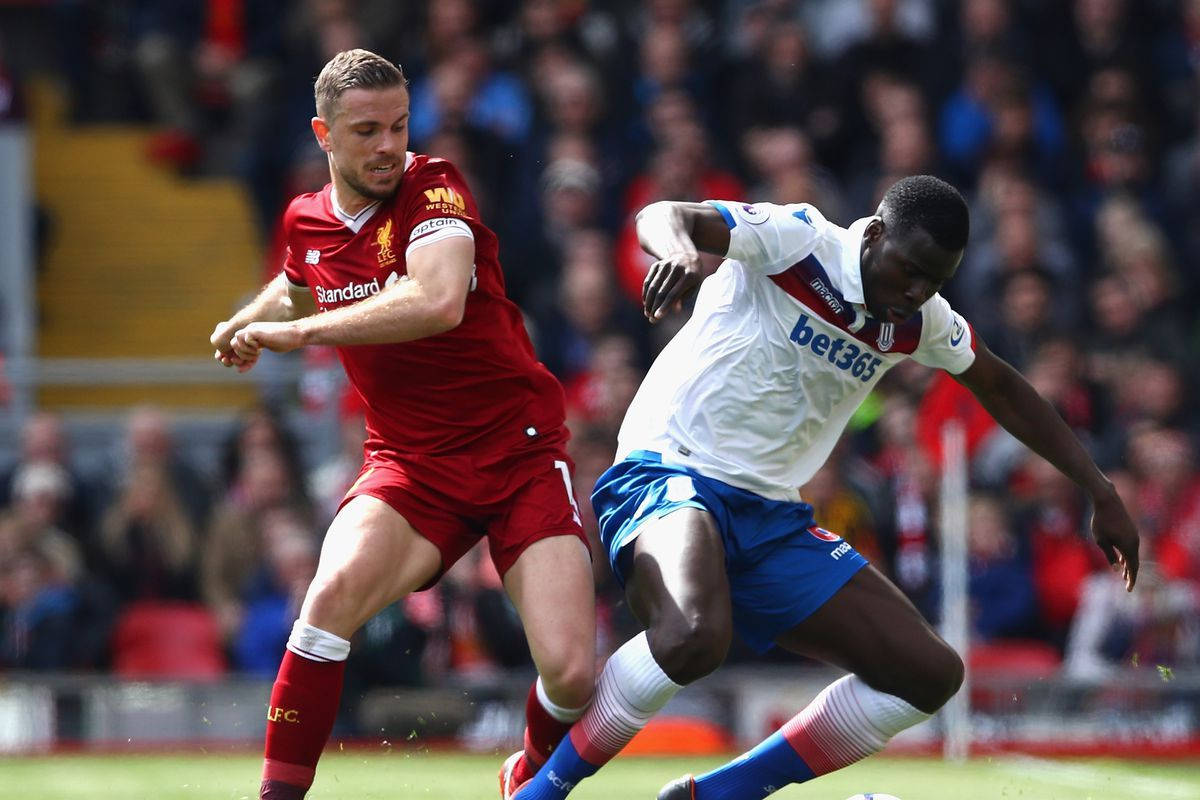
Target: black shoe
[682, 789]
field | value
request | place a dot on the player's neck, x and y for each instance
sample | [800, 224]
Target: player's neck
[348, 201]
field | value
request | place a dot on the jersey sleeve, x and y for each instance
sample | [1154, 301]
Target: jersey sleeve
[442, 207]
[947, 339]
[292, 269]
[769, 238]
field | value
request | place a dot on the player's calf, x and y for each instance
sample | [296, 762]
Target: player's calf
[845, 723]
[304, 703]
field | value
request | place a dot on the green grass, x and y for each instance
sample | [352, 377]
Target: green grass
[363, 775]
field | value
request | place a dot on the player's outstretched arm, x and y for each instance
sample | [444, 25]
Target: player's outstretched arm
[277, 301]
[1017, 406]
[675, 234]
[430, 300]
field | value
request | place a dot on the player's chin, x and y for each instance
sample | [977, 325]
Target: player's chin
[375, 188]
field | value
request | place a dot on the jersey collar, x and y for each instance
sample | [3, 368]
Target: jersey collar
[357, 221]
[851, 260]
[354, 222]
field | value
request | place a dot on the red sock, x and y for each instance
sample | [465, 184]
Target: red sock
[304, 703]
[542, 734]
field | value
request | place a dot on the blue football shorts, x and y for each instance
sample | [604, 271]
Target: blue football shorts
[781, 566]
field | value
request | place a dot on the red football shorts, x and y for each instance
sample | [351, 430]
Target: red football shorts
[513, 498]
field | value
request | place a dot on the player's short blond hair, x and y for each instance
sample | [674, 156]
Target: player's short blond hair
[353, 69]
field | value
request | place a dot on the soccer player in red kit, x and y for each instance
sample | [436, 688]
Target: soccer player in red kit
[465, 429]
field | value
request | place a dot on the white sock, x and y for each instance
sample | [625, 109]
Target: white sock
[560, 713]
[316, 644]
[631, 689]
[847, 722]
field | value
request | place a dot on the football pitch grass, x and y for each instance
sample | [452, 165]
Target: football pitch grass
[365, 774]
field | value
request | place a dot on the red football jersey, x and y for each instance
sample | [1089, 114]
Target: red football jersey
[478, 386]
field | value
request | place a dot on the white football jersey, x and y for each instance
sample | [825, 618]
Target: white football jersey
[757, 387]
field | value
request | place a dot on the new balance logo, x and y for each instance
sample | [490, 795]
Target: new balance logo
[846, 356]
[312, 256]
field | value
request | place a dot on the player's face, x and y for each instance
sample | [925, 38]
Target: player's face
[366, 140]
[901, 272]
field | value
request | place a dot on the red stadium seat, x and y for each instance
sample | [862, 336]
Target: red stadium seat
[1023, 660]
[168, 640]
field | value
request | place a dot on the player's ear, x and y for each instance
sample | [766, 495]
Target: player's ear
[875, 229]
[320, 129]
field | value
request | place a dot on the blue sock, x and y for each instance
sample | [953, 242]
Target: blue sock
[558, 776]
[770, 766]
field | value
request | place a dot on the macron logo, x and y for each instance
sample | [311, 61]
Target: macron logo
[312, 256]
[819, 286]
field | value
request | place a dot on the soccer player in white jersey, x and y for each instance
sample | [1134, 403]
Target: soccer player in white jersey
[701, 516]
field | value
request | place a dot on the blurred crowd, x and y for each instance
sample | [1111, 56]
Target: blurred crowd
[1070, 125]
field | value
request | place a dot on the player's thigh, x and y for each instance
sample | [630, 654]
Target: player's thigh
[870, 628]
[371, 557]
[551, 585]
[678, 588]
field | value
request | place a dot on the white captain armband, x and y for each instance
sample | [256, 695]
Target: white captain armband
[435, 230]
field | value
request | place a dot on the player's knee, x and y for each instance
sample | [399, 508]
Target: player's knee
[948, 676]
[570, 681]
[692, 648]
[941, 674]
[333, 603]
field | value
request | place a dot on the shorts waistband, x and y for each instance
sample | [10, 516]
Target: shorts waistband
[645, 455]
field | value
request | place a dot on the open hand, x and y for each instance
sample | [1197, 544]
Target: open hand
[1116, 536]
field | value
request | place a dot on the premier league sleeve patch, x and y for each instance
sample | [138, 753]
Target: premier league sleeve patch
[754, 214]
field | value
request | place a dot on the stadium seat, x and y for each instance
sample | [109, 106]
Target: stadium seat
[1020, 660]
[167, 640]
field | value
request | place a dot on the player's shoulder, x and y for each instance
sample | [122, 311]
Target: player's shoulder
[799, 215]
[434, 186]
[426, 169]
[307, 207]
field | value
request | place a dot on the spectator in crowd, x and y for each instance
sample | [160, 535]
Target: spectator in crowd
[234, 543]
[41, 493]
[1156, 625]
[149, 545]
[272, 599]
[1000, 582]
[44, 441]
[328, 483]
[1053, 519]
[150, 443]
[38, 607]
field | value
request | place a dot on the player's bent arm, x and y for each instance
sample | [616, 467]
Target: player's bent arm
[431, 300]
[1021, 411]
[674, 233]
[276, 302]
[668, 228]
